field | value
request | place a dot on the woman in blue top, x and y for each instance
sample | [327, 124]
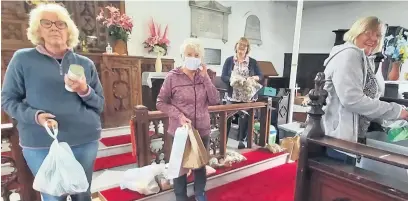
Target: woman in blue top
[246, 67]
[34, 92]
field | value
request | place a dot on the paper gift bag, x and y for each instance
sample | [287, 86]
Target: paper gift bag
[292, 146]
[195, 155]
[177, 152]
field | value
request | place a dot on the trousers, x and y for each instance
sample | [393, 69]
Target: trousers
[200, 179]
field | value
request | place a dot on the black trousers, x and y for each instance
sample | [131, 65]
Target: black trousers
[242, 124]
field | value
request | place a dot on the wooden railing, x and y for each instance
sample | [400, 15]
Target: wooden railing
[320, 178]
[21, 178]
[151, 126]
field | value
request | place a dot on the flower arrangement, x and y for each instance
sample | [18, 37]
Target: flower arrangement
[247, 87]
[397, 47]
[157, 42]
[119, 25]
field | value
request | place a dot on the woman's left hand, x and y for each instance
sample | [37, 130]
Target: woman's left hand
[203, 72]
[79, 86]
[256, 78]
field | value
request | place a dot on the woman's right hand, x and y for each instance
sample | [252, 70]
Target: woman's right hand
[43, 117]
[184, 120]
[404, 114]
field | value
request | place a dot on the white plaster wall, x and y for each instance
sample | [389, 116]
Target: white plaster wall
[277, 27]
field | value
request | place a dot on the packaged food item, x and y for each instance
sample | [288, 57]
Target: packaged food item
[397, 131]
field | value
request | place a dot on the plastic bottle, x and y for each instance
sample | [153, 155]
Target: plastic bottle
[109, 49]
[272, 135]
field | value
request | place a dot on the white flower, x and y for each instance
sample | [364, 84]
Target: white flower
[159, 49]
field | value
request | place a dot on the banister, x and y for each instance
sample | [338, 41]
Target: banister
[214, 108]
[373, 153]
[142, 119]
[310, 185]
[22, 174]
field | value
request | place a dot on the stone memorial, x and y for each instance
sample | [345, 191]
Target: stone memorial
[209, 19]
[253, 30]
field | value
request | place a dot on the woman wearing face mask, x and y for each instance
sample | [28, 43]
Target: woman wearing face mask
[353, 89]
[185, 96]
[246, 67]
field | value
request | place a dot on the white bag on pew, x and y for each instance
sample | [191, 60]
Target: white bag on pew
[60, 173]
[175, 168]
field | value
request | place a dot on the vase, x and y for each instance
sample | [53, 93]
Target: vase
[394, 74]
[158, 66]
[120, 47]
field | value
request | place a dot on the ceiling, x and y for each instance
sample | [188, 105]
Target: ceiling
[313, 4]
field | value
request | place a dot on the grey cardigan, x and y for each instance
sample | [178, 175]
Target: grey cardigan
[346, 72]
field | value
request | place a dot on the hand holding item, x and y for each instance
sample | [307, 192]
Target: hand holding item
[75, 80]
[404, 114]
[184, 120]
[51, 123]
[203, 71]
[44, 117]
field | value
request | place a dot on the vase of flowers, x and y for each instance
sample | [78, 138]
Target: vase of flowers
[119, 27]
[157, 43]
[397, 50]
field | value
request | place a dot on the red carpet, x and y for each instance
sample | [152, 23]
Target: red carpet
[276, 184]
[116, 140]
[114, 161]
[116, 194]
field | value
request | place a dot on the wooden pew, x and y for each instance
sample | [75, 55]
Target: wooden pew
[320, 178]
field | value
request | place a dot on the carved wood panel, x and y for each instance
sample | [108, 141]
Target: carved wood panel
[14, 22]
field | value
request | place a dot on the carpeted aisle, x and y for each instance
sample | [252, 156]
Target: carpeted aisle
[276, 184]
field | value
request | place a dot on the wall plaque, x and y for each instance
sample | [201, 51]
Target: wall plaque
[209, 19]
[253, 30]
[212, 56]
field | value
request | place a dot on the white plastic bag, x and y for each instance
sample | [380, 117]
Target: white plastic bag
[142, 180]
[60, 173]
[177, 151]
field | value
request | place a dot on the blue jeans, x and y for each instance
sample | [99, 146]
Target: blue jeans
[85, 155]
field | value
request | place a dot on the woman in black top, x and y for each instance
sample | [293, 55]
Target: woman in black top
[246, 67]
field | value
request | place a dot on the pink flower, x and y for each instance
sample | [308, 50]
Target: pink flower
[115, 18]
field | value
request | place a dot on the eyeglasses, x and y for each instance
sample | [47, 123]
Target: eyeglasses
[374, 33]
[48, 24]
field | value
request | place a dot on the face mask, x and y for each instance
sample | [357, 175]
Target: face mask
[192, 63]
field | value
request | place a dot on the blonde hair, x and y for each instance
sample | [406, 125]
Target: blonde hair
[362, 25]
[246, 41]
[193, 43]
[34, 24]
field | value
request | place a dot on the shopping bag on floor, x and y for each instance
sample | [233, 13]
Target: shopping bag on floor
[142, 180]
[60, 173]
[195, 155]
[292, 146]
[177, 150]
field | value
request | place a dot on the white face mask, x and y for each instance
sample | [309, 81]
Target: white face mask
[192, 63]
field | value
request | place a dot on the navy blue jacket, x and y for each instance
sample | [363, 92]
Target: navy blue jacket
[229, 66]
[35, 82]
